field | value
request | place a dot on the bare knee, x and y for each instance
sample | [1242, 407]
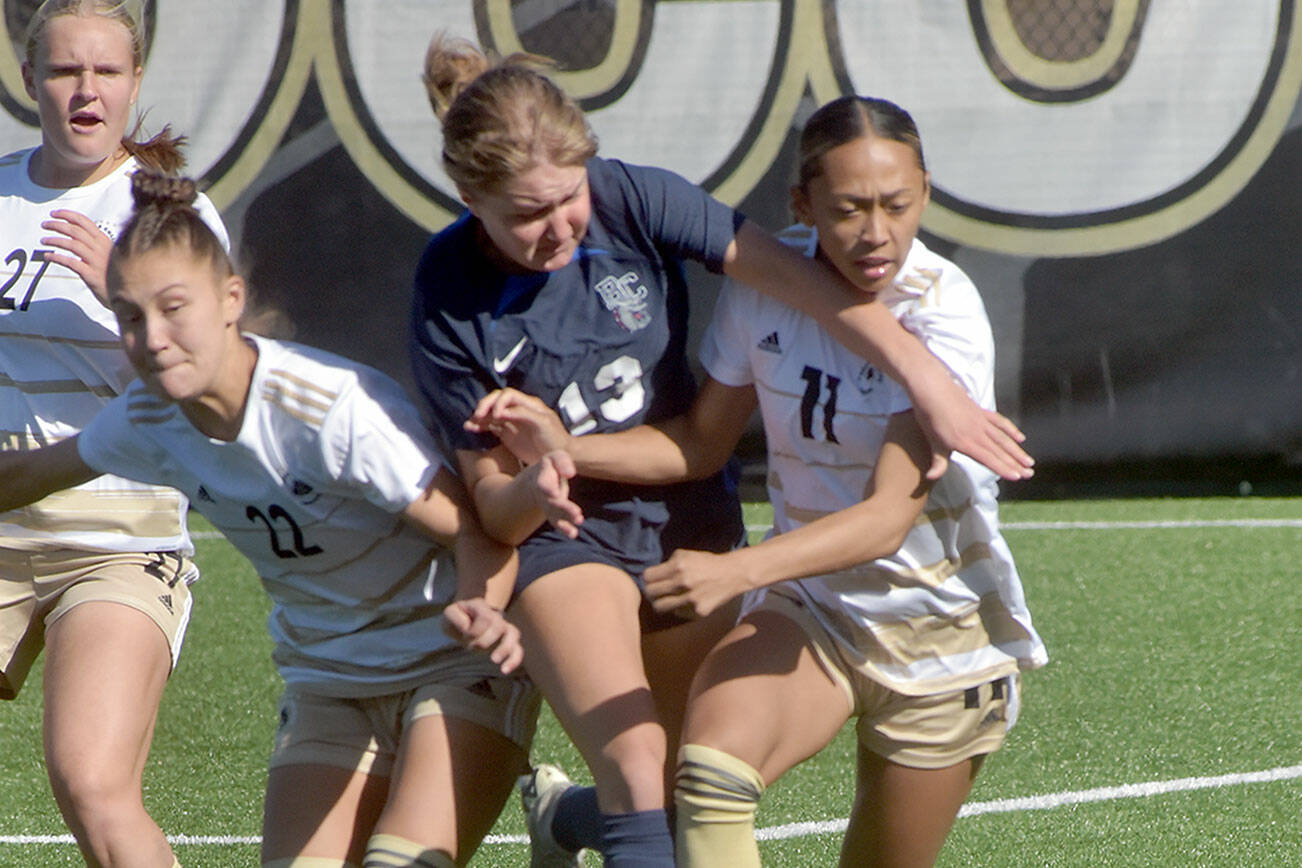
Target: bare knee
[630, 770]
[94, 795]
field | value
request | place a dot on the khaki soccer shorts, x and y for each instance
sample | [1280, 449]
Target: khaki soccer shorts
[39, 587]
[931, 731]
[362, 733]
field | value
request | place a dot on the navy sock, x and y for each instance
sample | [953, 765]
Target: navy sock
[638, 840]
[577, 821]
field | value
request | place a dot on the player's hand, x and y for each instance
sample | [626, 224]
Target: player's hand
[694, 583]
[548, 480]
[85, 249]
[523, 423]
[476, 624]
[954, 422]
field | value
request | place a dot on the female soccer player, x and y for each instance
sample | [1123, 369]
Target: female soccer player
[881, 595]
[321, 472]
[81, 572]
[564, 280]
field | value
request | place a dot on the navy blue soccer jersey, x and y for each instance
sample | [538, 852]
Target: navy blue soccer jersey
[602, 340]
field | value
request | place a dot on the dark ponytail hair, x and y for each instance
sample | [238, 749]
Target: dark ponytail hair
[848, 118]
[165, 216]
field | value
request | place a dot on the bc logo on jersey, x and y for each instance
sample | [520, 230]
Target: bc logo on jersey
[625, 297]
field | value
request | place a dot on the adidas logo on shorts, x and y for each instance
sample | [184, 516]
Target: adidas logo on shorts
[769, 343]
[166, 600]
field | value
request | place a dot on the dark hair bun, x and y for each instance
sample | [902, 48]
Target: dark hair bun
[149, 187]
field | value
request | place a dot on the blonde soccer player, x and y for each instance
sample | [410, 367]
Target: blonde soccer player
[403, 723]
[96, 576]
[564, 278]
[882, 596]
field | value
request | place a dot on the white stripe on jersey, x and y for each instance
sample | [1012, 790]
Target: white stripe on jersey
[947, 610]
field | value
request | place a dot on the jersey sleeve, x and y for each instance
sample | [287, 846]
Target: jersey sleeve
[681, 218]
[951, 320]
[109, 444]
[725, 346]
[375, 444]
[446, 372]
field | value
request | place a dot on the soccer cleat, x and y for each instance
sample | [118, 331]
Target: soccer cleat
[540, 793]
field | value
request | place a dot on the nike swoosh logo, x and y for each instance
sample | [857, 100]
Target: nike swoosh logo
[501, 365]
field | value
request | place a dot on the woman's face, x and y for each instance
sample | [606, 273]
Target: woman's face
[177, 318]
[85, 81]
[536, 219]
[866, 205]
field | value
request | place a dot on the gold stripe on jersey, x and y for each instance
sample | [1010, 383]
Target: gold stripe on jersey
[57, 387]
[304, 384]
[944, 513]
[293, 395]
[899, 646]
[926, 281]
[153, 513]
[837, 465]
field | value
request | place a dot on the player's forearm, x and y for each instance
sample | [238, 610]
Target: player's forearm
[649, 454]
[485, 568]
[844, 539]
[506, 507]
[29, 475]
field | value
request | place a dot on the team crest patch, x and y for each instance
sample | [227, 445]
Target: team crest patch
[301, 490]
[868, 379]
[625, 297]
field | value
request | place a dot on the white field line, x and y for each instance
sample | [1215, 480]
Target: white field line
[827, 827]
[1147, 525]
[1056, 800]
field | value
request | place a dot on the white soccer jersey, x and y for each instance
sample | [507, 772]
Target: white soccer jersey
[60, 362]
[328, 455]
[947, 610]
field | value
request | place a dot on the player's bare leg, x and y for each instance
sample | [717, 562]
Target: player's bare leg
[581, 630]
[902, 815]
[105, 668]
[671, 657]
[451, 779]
[763, 697]
[761, 704]
[334, 823]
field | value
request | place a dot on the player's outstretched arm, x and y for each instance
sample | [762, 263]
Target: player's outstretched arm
[26, 476]
[698, 583]
[691, 446]
[950, 418]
